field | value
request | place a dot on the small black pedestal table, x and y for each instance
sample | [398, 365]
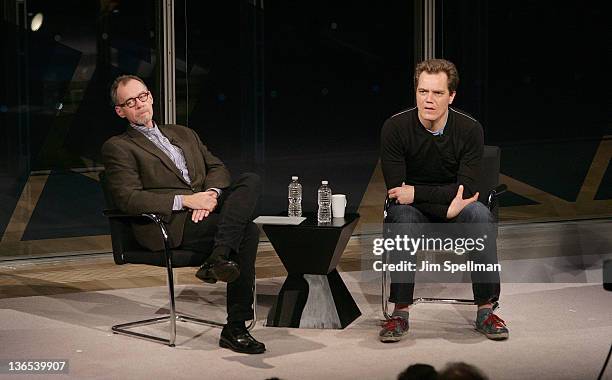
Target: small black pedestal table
[313, 295]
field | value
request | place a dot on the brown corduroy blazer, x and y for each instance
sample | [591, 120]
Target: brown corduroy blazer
[143, 179]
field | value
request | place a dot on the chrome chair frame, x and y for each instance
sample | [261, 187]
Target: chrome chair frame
[124, 328]
[491, 203]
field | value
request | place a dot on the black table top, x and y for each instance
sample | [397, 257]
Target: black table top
[311, 221]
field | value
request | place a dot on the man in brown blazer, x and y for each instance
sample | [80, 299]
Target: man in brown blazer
[167, 170]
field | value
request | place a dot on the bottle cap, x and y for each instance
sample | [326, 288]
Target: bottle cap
[323, 182]
[294, 178]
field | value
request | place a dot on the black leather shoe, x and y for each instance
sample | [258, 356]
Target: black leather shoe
[238, 339]
[218, 269]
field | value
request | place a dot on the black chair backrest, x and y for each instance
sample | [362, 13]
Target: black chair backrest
[121, 229]
[489, 174]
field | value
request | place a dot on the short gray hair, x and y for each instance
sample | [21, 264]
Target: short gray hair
[122, 79]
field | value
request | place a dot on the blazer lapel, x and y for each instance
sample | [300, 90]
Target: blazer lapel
[143, 142]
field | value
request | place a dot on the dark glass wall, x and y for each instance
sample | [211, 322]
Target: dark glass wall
[295, 88]
[55, 113]
[534, 73]
[284, 88]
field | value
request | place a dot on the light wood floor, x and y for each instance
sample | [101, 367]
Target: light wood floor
[99, 272]
[22, 278]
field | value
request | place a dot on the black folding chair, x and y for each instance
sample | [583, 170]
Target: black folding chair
[127, 250]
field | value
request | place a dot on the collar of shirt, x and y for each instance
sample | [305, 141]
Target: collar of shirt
[437, 133]
[146, 130]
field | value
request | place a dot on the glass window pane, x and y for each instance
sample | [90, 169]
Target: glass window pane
[57, 66]
[529, 73]
[295, 89]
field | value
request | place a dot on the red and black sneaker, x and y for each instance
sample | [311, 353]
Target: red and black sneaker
[492, 326]
[393, 330]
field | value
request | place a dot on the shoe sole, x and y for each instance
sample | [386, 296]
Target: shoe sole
[206, 277]
[224, 344]
[499, 336]
[226, 273]
[208, 280]
[390, 339]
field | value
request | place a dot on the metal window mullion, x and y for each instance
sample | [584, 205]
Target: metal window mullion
[168, 71]
[426, 29]
[429, 29]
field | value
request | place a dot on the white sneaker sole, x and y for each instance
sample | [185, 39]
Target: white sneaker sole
[498, 336]
[391, 339]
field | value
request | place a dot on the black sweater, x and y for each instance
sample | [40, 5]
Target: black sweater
[434, 165]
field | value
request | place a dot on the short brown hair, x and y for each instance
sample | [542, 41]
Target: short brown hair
[122, 79]
[434, 66]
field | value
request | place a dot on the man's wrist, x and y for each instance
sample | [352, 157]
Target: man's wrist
[216, 191]
[185, 199]
[411, 191]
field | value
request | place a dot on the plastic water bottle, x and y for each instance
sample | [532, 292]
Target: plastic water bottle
[324, 198]
[295, 197]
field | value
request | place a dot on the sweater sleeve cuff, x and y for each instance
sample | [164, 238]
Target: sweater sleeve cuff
[420, 194]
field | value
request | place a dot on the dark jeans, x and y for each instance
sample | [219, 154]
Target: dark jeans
[230, 225]
[485, 286]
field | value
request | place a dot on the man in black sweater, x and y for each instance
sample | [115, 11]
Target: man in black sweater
[431, 156]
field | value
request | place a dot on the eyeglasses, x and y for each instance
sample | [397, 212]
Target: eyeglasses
[131, 102]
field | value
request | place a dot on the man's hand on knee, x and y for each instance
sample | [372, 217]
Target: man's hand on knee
[458, 203]
[404, 194]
